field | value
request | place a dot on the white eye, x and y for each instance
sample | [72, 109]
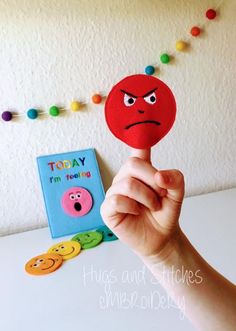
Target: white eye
[36, 265]
[128, 100]
[72, 196]
[77, 196]
[151, 98]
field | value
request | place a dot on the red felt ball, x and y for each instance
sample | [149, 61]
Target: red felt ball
[211, 14]
[195, 31]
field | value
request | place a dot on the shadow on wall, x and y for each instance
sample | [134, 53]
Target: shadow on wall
[94, 8]
[105, 171]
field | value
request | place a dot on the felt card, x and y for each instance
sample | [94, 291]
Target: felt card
[72, 190]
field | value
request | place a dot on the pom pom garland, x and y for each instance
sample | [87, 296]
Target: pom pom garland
[211, 14]
[54, 111]
[75, 106]
[149, 70]
[96, 99]
[165, 58]
[195, 31]
[32, 114]
[180, 45]
[7, 116]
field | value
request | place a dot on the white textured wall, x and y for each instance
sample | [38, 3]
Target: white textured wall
[52, 51]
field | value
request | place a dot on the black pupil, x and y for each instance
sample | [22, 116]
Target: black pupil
[130, 101]
[152, 99]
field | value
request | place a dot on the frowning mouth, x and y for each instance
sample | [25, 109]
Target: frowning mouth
[142, 122]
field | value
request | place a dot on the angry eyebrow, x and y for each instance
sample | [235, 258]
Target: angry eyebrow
[143, 96]
[129, 94]
[150, 92]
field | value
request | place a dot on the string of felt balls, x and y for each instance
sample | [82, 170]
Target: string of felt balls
[75, 106]
[182, 45]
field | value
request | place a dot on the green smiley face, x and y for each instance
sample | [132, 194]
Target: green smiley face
[107, 234]
[88, 239]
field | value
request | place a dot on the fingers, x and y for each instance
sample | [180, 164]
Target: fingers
[141, 170]
[116, 207]
[173, 182]
[136, 190]
[144, 154]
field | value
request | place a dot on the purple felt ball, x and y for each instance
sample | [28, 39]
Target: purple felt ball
[6, 116]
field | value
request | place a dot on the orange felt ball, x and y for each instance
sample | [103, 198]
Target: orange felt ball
[195, 31]
[97, 98]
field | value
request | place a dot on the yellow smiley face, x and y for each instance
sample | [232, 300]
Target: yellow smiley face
[66, 249]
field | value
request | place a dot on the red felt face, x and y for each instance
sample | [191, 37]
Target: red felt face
[140, 110]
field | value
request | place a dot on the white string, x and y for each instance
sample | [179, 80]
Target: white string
[157, 64]
[41, 112]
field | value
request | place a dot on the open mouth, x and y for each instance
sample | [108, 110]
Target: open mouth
[142, 122]
[77, 206]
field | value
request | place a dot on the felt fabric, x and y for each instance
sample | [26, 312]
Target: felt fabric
[140, 110]
[43, 264]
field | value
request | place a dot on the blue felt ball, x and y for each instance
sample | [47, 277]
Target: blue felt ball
[32, 114]
[149, 70]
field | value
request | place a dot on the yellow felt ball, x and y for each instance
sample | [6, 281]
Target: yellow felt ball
[75, 106]
[180, 45]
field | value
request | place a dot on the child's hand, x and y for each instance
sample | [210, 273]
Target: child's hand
[142, 207]
[143, 204]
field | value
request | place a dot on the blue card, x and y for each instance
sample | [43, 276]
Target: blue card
[72, 190]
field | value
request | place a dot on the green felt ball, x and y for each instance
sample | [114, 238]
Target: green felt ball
[54, 111]
[165, 58]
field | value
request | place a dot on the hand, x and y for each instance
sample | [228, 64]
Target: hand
[143, 205]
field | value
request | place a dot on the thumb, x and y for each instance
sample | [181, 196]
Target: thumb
[144, 154]
[173, 182]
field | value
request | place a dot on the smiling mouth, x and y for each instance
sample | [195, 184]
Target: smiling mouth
[53, 262]
[142, 122]
[70, 252]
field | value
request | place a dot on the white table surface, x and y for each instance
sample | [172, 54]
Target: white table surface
[77, 296]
